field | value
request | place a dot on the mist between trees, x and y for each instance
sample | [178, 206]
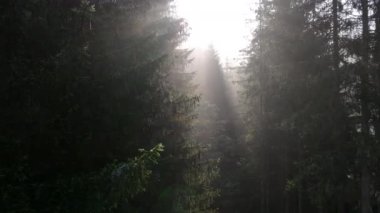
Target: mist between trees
[103, 111]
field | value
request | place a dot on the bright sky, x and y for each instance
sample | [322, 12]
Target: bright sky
[221, 23]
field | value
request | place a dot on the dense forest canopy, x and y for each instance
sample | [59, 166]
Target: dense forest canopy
[106, 106]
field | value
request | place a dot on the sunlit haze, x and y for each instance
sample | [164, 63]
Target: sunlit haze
[221, 23]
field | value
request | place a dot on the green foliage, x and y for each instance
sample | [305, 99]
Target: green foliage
[98, 191]
[86, 84]
[197, 193]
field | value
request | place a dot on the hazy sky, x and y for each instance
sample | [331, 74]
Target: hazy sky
[222, 23]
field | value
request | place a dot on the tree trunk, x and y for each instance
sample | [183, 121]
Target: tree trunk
[262, 197]
[287, 202]
[300, 204]
[266, 200]
[365, 190]
[340, 204]
[364, 75]
[376, 60]
[336, 40]
[286, 174]
[377, 42]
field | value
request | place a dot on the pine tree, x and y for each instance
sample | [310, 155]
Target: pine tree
[87, 84]
[295, 108]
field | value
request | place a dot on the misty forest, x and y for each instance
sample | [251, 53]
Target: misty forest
[190, 106]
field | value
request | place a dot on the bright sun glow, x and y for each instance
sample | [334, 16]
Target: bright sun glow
[221, 23]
